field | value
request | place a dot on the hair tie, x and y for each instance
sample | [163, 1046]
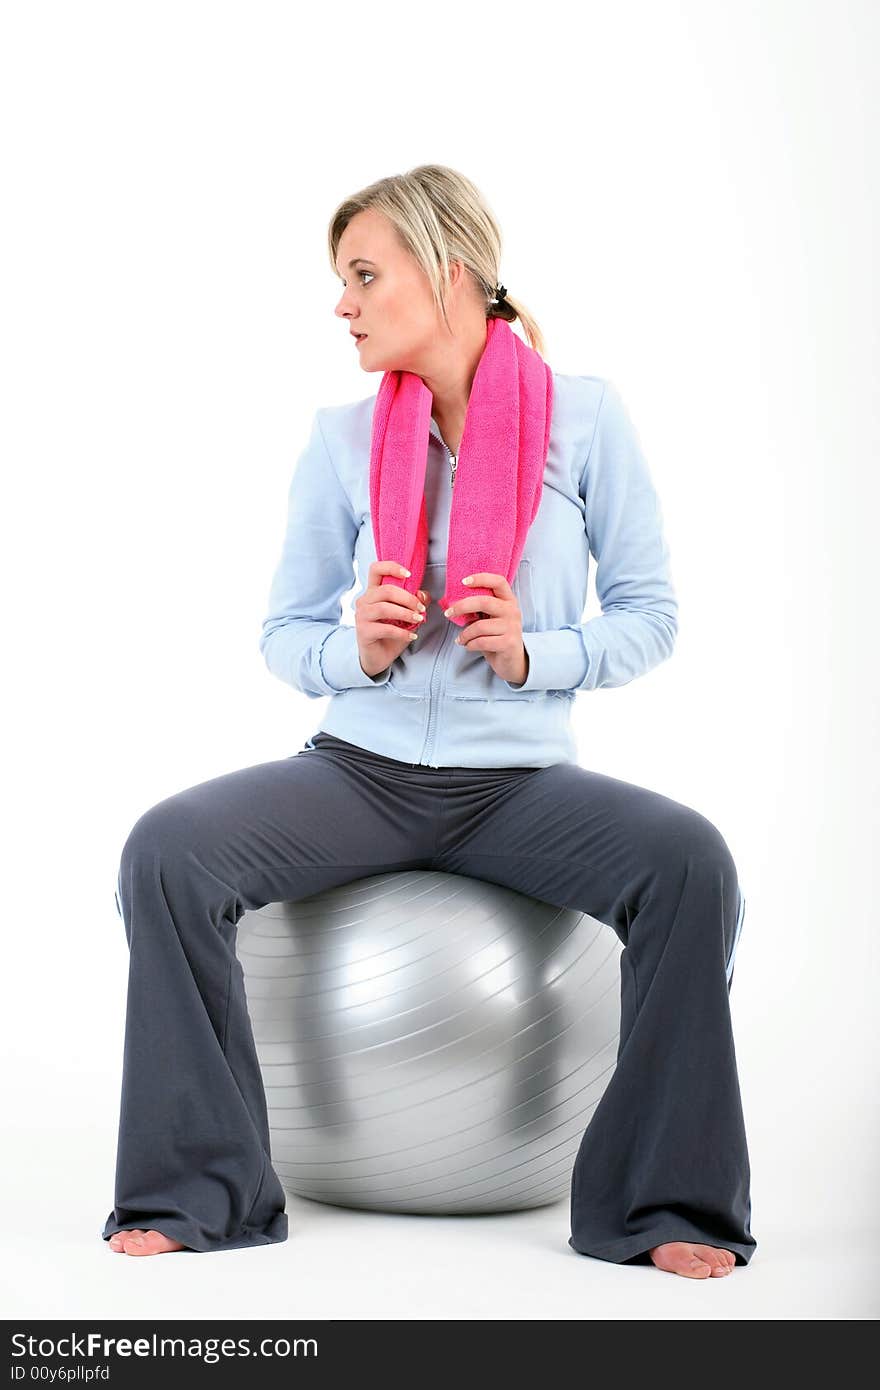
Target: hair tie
[500, 292]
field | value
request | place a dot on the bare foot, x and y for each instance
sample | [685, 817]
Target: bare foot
[693, 1261]
[143, 1243]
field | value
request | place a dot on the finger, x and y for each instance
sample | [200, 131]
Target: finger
[383, 609]
[393, 592]
[470, 635]
[480, 603]
[380, 567]
[498, 582]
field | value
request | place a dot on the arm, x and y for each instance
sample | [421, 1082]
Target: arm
[303, 641]
[624, 525]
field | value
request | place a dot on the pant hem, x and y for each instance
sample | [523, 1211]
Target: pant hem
[195, 1241]
[636, 1248]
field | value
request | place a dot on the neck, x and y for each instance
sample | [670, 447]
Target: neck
[450, 377]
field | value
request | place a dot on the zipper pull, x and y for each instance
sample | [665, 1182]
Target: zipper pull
[454, 460]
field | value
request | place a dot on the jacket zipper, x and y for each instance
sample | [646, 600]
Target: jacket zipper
[432, 701]
[429, 735]
[453, 458]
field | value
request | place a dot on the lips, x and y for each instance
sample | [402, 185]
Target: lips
[359, 337]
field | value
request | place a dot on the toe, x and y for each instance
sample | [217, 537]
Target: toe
[118, 1239]
[152, 1243]
[141, 1244]
[680, 1257]
[720, 1261]
[135, 1241]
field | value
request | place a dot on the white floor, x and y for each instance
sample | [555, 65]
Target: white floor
[346, 1264]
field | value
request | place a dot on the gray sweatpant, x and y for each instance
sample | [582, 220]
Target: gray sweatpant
[664, 1156]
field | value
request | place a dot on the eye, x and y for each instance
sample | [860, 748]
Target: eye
[363, 272]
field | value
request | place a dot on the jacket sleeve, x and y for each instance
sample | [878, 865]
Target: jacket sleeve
[624, 523]
[303, 641]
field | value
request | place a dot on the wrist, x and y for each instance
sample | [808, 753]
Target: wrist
[522, 672]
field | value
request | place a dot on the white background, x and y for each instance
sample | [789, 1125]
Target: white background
[688, 194]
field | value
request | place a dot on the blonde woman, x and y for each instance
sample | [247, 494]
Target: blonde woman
[662, 1173]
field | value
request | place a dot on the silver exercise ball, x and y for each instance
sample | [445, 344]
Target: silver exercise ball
[429, 1042]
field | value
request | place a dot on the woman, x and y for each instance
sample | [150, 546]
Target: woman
[662, 1174]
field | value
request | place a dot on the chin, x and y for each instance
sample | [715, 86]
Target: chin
[374, 365]
[373, 359]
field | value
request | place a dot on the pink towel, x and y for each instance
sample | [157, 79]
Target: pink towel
[499, 475]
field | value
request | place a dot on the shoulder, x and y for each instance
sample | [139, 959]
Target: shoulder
[597, 403]
[347, 423]
[577, 402]
[578, 388]
[579, 397]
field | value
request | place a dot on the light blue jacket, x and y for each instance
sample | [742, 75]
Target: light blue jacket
[437, 704]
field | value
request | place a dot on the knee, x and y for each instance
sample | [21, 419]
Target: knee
[161, 833]
[715, 856]
[701, 844]
[156, 844]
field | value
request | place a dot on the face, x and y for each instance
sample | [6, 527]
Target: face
[386, 295]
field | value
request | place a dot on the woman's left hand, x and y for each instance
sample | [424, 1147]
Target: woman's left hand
[498, 634]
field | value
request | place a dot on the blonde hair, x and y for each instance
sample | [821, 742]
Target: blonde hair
[440, 216]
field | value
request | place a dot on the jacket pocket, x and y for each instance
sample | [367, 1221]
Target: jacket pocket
[524, 587]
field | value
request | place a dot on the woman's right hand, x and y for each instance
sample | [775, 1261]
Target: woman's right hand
[379, 641]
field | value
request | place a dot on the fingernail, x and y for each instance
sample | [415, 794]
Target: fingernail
[468, 580]
[447, 613]
[405, 571]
